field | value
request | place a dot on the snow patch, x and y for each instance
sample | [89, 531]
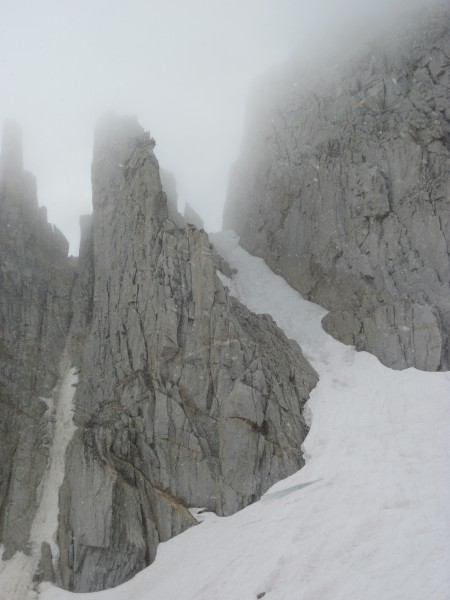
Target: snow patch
[16, 575]
[228, 283]
[202, 514]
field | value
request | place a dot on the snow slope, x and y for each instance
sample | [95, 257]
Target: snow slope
[367, 518]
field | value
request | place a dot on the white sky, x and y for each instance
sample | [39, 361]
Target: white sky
[184, 68]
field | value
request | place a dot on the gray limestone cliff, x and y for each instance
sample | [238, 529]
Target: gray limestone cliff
[36, 279]
[183, 398]
[343, 187]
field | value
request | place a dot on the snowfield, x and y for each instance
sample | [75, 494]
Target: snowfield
[367, 518]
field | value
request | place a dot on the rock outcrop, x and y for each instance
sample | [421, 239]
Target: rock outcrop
[183, 398]
[36, 280]
[343, 187]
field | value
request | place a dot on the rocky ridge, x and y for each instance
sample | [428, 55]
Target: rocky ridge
[184, 398]
[343, 187]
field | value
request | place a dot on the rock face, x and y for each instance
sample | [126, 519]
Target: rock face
[36, 280]
[185, 398]
[343, 187]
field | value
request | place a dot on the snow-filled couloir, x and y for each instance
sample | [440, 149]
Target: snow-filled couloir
[367, 517]
[16, 574]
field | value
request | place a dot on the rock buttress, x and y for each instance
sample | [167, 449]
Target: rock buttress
[343, 187]
[185, 398]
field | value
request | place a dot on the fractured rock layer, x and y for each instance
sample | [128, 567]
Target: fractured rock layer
[343, 187]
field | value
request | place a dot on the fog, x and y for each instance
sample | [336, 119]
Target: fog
[184, 68]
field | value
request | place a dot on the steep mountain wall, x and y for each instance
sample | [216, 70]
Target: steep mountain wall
[343, 187]
[36, 280]
[185, 398]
